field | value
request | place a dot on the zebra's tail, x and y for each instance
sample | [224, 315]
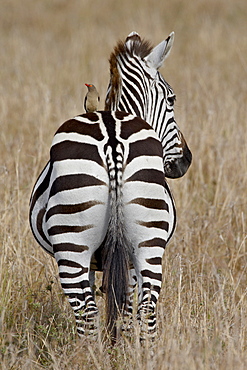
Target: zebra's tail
[115, 256]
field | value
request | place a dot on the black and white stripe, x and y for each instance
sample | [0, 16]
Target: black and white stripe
[103, 191]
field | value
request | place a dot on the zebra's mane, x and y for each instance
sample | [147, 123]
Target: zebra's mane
[132, 46]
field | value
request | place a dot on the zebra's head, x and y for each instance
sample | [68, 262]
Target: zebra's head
[136, 86]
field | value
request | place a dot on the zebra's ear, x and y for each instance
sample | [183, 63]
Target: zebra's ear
[131, 38]
[158, 55]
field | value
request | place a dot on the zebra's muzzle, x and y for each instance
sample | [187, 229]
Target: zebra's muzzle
[179, 166]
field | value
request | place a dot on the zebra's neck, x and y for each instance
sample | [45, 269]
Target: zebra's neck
[125, 94]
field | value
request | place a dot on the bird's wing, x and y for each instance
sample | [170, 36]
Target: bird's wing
[85, 103]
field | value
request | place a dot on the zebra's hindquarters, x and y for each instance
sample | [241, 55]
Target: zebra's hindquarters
[104, 185]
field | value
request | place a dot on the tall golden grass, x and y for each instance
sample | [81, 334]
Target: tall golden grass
[49, 49]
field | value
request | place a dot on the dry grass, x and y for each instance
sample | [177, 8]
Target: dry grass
[49, 49]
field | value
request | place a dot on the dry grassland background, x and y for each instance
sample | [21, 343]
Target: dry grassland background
[48, 50]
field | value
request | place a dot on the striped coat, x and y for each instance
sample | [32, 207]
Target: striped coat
[102, 201]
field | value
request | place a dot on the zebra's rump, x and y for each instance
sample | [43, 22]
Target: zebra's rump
[90, 154]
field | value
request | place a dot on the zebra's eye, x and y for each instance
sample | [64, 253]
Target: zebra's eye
[171, 100]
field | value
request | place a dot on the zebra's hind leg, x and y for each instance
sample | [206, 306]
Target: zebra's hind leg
[85, 311]
[149, 286]
[75, 280]
[147, 318]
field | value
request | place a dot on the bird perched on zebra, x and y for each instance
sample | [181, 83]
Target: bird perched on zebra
[92, 99]
[102, 201]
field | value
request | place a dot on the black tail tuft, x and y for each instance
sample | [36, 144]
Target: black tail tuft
[115, 278]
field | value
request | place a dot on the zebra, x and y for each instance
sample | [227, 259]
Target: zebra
[102, 202]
